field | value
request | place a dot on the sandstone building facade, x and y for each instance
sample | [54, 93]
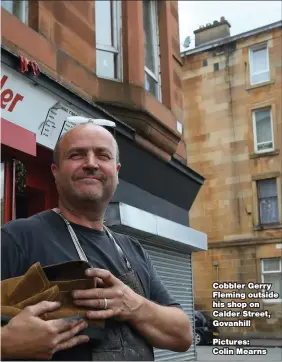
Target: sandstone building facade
[233, 131]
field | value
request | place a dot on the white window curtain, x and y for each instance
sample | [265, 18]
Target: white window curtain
[268, 201]
[263, 124]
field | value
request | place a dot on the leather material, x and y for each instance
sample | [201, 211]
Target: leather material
[51, 283]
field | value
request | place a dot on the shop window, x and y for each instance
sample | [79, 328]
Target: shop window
[108, 39]
[19, 8]
[263, 130]
[268, 201]
[152, 48]
[259, 64]
[271, 272]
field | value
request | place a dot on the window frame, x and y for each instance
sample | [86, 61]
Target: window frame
[252, 49]
[254, 111]
[156, 41]
[279, 300]
[23, 12]
[116, 49]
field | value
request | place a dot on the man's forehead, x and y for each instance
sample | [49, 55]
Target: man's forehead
[87, 136]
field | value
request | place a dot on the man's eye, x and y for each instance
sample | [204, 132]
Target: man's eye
[76, 156]
[105, 156]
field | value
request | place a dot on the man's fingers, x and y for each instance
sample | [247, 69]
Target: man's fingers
[101, 314]
[100, 283]
[62, 325]
[65, 336]
[97, 293]
[71, 343]
[107, 277]
[93, 303]
[41, 308]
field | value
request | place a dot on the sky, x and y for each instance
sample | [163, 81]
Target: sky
[242, 15]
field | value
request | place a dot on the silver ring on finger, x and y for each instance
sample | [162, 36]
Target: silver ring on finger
[105, 303]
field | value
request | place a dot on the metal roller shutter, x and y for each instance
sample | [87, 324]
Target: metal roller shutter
[174, 267]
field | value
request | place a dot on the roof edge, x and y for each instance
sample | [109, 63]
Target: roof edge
[225, 40]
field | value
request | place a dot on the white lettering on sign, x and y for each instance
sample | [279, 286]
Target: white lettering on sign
[36, 109]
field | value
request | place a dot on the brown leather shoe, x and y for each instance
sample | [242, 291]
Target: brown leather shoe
[52, 283]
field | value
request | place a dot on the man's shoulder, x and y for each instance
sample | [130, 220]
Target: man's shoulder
[30, 223]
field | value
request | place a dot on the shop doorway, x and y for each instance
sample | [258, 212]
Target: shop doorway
[27, 187]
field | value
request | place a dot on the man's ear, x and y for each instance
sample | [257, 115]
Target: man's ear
[54, 169]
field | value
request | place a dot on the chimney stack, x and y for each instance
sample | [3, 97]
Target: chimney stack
[209, 32]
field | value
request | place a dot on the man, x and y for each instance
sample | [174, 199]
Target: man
[139, 311]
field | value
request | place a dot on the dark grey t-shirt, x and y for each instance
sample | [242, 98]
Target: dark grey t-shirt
[44, 238]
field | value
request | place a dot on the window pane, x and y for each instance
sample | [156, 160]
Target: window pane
[151, 85]
[8, 5]
[105, 64]
[263, 126]
[260, 60]
[103, 21]
[269, 210]
[271, 264]
[267, 188]
[276, 280]
[149, 36]
[2, 191]
[261, 77]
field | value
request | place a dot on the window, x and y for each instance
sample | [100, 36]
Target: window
[108, 39]
[216, 67]
[152, 55]
[19, 8]
[259, 64]
[271, 272]
[268, 201]
[205, 62]
[263, 130]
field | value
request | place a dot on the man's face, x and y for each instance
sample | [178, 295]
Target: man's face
[87, 169]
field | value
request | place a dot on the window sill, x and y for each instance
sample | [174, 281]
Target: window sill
[264, 154]
[268, 227]
[254, 86]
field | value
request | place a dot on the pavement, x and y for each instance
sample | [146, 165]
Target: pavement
[205, 353]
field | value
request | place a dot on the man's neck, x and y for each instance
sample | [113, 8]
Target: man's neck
[91, 219]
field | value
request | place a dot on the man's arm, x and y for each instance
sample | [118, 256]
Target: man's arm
[164, 327]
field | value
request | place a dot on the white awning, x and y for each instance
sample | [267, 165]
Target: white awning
[123, 217]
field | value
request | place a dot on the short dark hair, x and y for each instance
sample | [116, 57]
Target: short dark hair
[56, 151]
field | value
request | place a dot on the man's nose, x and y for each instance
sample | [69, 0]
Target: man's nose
[91, 161]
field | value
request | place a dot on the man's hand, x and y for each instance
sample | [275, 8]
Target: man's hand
[164, 327]
[122, 301]
[27, 336]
